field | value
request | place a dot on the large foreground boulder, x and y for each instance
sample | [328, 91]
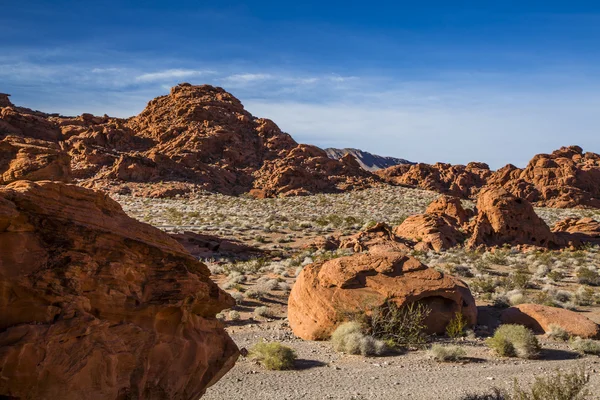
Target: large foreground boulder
[325, 293]
[96, 305]
[539, 318]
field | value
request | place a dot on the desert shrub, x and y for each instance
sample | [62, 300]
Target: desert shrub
[234, 315]
[457, 325]
[484, 285]
[588, 276]
[496, 394]
[264, 311]
[400, 326]
[238, 297]
[460, 270]
[514, 341]
[498, 257]
[256, 293]
[273, 356]
[447, 353]
[556, 275]
[560, 386]
[350, 338]
[557, 332]
[586, 346]
[584, 296]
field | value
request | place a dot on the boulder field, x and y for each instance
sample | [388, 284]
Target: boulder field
[96, 305]
[566, 178]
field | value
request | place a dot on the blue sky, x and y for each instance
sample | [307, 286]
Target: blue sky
[493, 81]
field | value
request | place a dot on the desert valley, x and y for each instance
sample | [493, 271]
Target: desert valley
[197, 250]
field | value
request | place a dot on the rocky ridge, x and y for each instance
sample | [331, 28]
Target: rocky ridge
[367, 161]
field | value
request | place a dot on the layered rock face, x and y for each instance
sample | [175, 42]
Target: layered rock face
[96, 305]
[578, 231]
[194, 138]
[564, 179]
[327, 292]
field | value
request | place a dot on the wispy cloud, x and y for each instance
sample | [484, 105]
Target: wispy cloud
[171, 74]
[247, 78]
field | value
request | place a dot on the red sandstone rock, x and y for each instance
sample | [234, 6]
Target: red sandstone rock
[505, 219]
[450, 207]
[196, 136]
[539, 318]
[578, 231]
[96, 305]
[32, 159]
[456, 180]
[326, 291]
[379, 235]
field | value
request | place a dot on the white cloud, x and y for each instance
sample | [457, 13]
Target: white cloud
[170, 74]
[247, 78]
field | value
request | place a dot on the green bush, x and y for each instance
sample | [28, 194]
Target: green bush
[586, 346]
[447, 353]
[557, 332]
[560, 386]
[402, 327]
[350, 338]
[588, 276]
[273, 356]
[457, 325]
[514, 341]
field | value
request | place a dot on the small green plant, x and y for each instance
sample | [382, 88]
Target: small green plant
[457, 325]
[403, 327]
[588, 276]
[514, 341]
[234, 315]
[560, 386]
[264, 311]
[273, 356]
[557, 332]
[350, 338]
[586, 346]
[447, 353]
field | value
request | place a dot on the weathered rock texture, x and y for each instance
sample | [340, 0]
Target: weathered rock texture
[194, 138]
[564, 179]
[379, 235]
[367, 161]
[326, 292]
[539, 318]
[578, 231]
[96, 305]
[505, 219]
[456, 180]
[439, 228]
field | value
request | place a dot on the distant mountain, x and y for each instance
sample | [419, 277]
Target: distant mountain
[368, 161]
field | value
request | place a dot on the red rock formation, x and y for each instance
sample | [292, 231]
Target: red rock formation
[194, 138]
[326, 291]
[379, 235]
[456, 180]
[32, 159]
[450, 208]
[578, 231]
[539, 318]
[505, 219]
[564, 179]
[440, 228]
[96, 305]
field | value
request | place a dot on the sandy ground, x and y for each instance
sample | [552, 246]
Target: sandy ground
[321, 373]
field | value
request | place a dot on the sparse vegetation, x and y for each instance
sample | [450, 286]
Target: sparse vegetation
[350, 338]
[402, 327]
[586, 346]
[514, 341]
[273, 356]
[447, 353]
[457, 325]
[557, 332]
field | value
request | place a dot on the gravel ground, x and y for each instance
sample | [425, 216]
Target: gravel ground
[321, 373]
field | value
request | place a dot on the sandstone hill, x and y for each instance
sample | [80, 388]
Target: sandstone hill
[564, 179]
[196, 137]
[368, 161]
[96, 305]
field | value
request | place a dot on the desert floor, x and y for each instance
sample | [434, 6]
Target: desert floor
[260, 285]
